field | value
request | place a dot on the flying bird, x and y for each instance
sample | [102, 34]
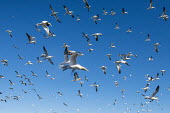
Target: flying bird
[54, 14]
[123, 11]
[87, 5]
[95, 18]
[68, 11]
[96, 86]
[31, 39]
[104, 12]
[45, 25]
[150, 5]
[46, 56]
[9, 32]
[96, 35]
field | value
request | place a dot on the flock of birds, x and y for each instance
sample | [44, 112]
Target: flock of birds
[70, 58]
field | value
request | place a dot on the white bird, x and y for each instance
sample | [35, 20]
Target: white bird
[104, 12]
[31, 39]
[9, 32]
[152, 97]
[112, 45]
[163, 72]
[112, 12]
[164, 16]
[123, 11]
[96, 35]
[76, 77]
[28, 63]
[87, 5]
[78, 18]
[109, 56]
[20, 57]
[33, 74]
[45, 25]
[68, 11]
[47, 75]
[150, 58]
[129, 30]
[96, 86]
[18, 75]
[46, 56]
[117, 26]
[146, 88]
[38, 60]
[54, 14]
[95, 18]
[79, 94]
[90, 49]
[86, 36]
[116, 83]
[150, 5]
[103, 69]
[148, 38]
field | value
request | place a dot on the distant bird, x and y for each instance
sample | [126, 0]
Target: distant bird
[60, 93]
[95, 18]
[65, 104]
[47, 75]
[87, 5]
[20, 57]
[28, 63]
[148, 38]
[1, 76]
[121, 62]
[96, 86]
[104, 12]
[18, 75]
[54, 14]
[156, 47]
[96, 35]
[11, 83]
[68, 11]
[15, 47]
[90, 49]
[85, 78]
[116, 83]
[109, 56]
[22, 82]
[31, 39]
[86, 36]
[46, 56]
[103, 69]
[150, 5]
[38, 60]
[76, 77]
[39, 30]
[115, 101]
[4, 62]
[112, 12]
[164, 16]
[112, 45]
[45, 36]
[123, 11]
[9, 32]
[33, 74]
[157, 76]
[45, 25]
[79, 94]
[117, 26]
[163, 72]
[78, 18]
[39, 97]
[81, 83]
[146, 88]
[129, 30]
[152, 97]
[150, 58]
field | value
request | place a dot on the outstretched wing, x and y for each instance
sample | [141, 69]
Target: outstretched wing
[156, 91]
[45, 51]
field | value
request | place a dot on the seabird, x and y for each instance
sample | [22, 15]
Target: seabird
[38, 60]
[45, 25]
[78, 18]
[123, 11]
[54, 14]
[46, 56]
[164, 16]
[103, 69]
[9, 32]
[146, 88]
[112, 12]
[109, 56]
[104, 12]
[150, 5]
[117, 26]
[31, 39]
[148, 38]
[129, 30]
[96, 35]
[68, 12]
[79, 94]
[96, 86]
[86, 36]
[95, 18]
[87, 5]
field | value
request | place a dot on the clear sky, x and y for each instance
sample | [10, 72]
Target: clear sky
[20, 16]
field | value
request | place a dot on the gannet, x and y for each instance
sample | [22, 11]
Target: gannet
[121, 61]
[47, 75]
[87, 5]
[39, 97]
[152, 97]
[164, 16]
[1, 76]
[46, 56]
[33, 74]
[31, 39]
[28, 63]
[112, 45]
[150, 5]
[163, 72]
[150, 58]
[104, 12]
[11, 83]
[79, 94]
[148, 38]
[81, 83]
[109, 56]
[90, 49]
[4, 62]
[96, 35]
[86, 36]
[9, 32]
[18, 75]
[38, 60]
[76, 77]
[20, 57]
[123, 11]
[95, 18]
[117, 27]
[156, 46]
[112, 12]
[45, 25]
[146, 88]
[103, 69]
[129, 30]
[96, 86]
[116, 83]
[78, 18]
[54, 14]
[85, 78]
[68, 12]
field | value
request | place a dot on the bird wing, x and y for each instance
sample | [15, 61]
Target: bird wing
[49, 59]
[51, 8]
[66, 59]
[29, 37]
[156, 91]
[45, 51]
[66, 9]
[46, 29]
[73, 58]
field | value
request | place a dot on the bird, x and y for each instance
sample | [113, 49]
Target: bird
[96, 35]
[54, 14]
[112, 45]
[87, 5]
[4, 62]
[116, 83]
[47, 75]
[45, 25]
[81, 83]
[46, 56]
[123, 11]
[1, 76]
[90, 49]
[163, 72]
[60, 93]
[18, 75]
[31, 39]
[33, 74]
[39, 30]
[150, 5]
[118, 68]
[9, 32]
[109, 56]
[76, 77]
[38, 60]
[164, 16]
[150, 58]
[65, 104]
[156, 47]
[79, 94]
[104, 12]
[39, 97]
[20, 57]
[95, 18]
[11, 83]
[78, 18]
[28, 63]
[152, 97]
[45, 36]
[96, 86]
[85, 78]
[103, 69]
[112, 12]
[117, 26]
[73, 62]
[129, 30]
[86, 36]
[146, 87]
[68, 12]
[148, 38]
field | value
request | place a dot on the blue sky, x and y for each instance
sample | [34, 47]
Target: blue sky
[21, 16]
